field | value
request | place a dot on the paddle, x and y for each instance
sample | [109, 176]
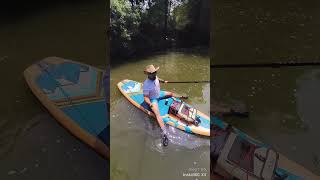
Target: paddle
[266, 65]
[188, 82]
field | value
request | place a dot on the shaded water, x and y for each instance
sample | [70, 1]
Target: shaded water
[48, 151]
[67, 30]
[136, 148]
[265, 31]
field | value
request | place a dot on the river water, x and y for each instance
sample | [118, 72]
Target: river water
[136, 149]
[32, 144]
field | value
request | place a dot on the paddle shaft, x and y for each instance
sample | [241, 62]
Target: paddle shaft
[188, 82]
[266, 65]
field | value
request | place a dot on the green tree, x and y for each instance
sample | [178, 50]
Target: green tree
[143, 26]
[124, 25]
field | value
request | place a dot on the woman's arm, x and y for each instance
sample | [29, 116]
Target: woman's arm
[161, 80]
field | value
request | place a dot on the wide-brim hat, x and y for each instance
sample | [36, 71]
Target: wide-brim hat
[150, 69]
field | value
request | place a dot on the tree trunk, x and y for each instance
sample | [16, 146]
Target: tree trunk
[166, 14]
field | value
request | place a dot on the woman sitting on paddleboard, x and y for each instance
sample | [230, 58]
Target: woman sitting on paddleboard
[152, 94]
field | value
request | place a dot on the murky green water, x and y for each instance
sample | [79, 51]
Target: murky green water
[68, 30]
[135, 138]
[260, 31]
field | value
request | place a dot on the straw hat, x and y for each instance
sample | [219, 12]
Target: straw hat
[150, 69]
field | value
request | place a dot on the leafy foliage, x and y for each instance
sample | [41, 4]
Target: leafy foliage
[142, 26]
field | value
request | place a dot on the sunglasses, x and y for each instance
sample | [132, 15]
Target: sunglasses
[152, 73]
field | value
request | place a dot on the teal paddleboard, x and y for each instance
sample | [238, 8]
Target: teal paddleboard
[132, 90]
[73, 93]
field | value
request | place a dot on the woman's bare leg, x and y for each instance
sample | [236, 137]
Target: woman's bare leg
[155, 109]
